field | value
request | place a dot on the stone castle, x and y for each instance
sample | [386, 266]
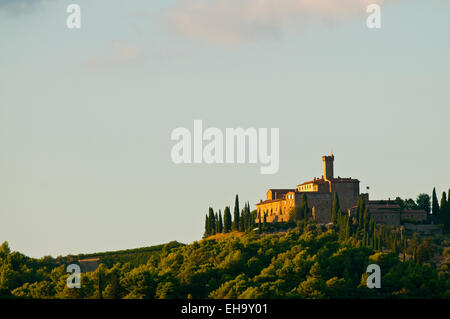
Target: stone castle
[319, 194]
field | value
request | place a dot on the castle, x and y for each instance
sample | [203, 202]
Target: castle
[319, 195]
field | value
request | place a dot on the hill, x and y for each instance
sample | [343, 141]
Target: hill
[135, 257]
[301, 263]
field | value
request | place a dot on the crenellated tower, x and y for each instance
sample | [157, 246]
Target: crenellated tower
[328, 173]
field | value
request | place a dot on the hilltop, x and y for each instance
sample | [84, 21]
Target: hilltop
[305, 262]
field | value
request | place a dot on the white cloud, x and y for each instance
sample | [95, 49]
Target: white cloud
[235, 21]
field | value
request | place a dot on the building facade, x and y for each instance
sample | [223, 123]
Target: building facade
[388, 212]
[319, 194]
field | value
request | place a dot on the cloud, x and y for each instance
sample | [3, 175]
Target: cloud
[120, 52]
[233, 22]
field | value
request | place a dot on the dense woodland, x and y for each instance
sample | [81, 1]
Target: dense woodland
[241, 258]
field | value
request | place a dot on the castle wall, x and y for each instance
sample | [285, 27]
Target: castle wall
[348, 193]
[387, 218]
[320, 204]
[278, 210]
[275, 211]
[319, 194]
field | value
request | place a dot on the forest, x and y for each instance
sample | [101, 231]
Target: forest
[241, 258]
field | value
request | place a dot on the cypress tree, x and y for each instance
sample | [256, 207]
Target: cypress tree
[347, 228]
[366, 217]
[212, 222]
[252, 218]
[220, 230]
[435, 205]
[444, 212]
[265, 222]
[304, 207]
[248, 220]
[216, 219]
[335, 209]
[360, 211]
[236, 214]
[244, 218]
[443, 208]
[371, 227]
[379, 243]
[227, 220]
[404, 248]
[207, 231]
[259, 225]
[365, 227]
[241, 222]
[443, 200]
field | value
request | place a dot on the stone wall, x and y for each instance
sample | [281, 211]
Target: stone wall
[348, 193]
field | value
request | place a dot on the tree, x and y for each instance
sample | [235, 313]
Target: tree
[236, 214]
[336, 209]
[295, 214]
[445, 218]
[444, 212]
[227, 220]
[400, 202]
[8, 277]
[435, 205]
[207, 226]
[99, 278]
[212, 222]
[443, 201]
[410, 204]
[424, 202]
[299, 213]
[220, 223]
[304, 207]
[360, 211]
[216, 218]
[259, 225]
[243, 219]
[252, 221]
[4, 249]
[365, 226]
[114, 289]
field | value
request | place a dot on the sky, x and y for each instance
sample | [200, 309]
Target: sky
[86, 114]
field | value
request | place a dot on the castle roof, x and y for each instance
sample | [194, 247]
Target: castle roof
[345, 180]
[334, 180]
[314, 181]
[267, 201]
[89, 259]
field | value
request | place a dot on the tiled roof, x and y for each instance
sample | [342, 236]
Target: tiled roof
[89, 260]
[267, 201]
[334, 180]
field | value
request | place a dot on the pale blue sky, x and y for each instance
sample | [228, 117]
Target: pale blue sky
[86, 115]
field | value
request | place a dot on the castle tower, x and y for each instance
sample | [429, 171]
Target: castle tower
[328, 167]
